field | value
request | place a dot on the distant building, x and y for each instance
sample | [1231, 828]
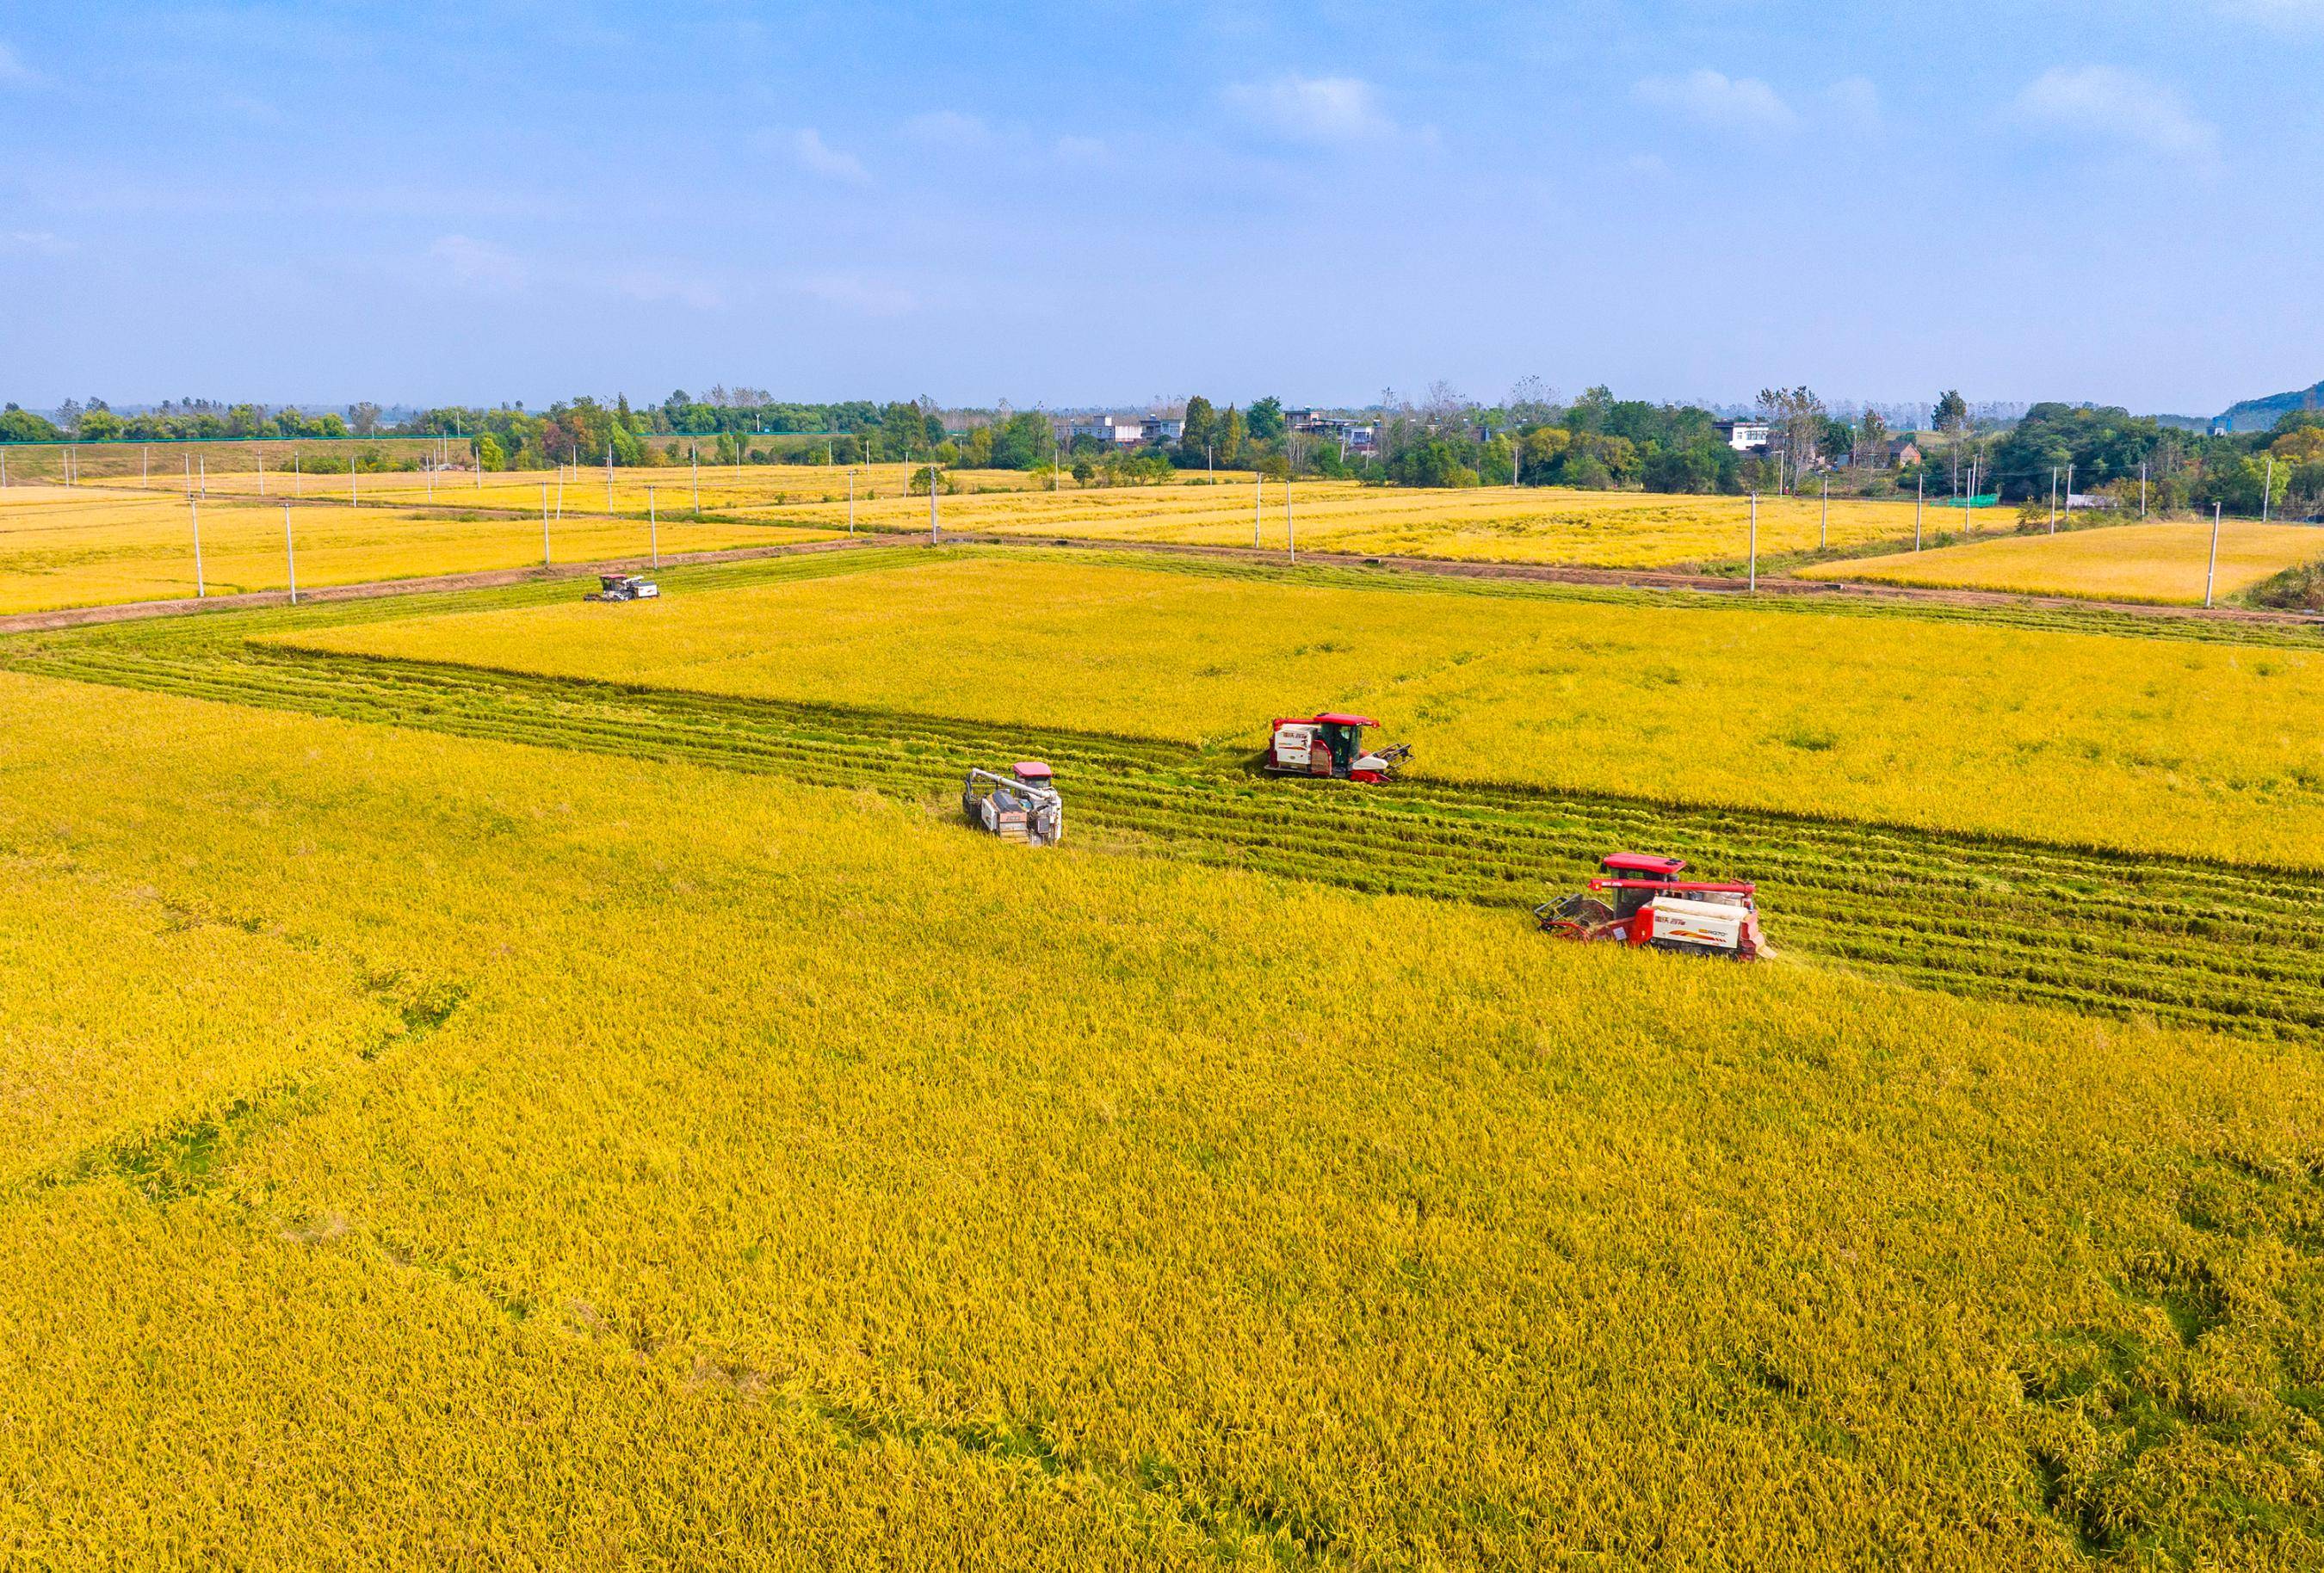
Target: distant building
[1747, 435]
[1115, 430]
[1353, 436]
[1903, 451]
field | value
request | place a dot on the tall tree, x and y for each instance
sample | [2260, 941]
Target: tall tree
[1798, 416]
[1951, 419]
[1201, 433]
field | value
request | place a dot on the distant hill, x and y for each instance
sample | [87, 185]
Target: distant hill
[2259, 414]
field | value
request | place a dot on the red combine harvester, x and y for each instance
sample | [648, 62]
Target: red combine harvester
[1330, 745]
[1644, 902]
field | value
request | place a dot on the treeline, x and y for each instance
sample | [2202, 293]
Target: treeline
[1595, 441]
[2107, 454]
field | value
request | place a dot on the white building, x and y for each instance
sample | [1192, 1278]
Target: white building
[1125, 431]
[1745, 436]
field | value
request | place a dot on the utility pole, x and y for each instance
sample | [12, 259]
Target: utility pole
[1823, 525]
[195, 505]
[290, 555]
[609, 474]
[145, 466]
[1257, 506]
[544, 523]
[1290, 527]
[932, 500]
[1754, 541]
[205, 474]
[2053, 500]
[851, 502]
[694, 452]
[2267, 492]
[1919, 501]
[262, 471]
[2211, 574]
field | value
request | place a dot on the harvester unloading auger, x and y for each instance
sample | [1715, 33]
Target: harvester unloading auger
[1023, 805]
[1640, 900]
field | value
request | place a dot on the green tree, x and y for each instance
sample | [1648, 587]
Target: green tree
[19, 425]
[1265, 420]
[1685, 468]
[1200, 432]
[1234, 436]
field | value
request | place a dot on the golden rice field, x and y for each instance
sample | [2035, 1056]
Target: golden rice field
[2080, 738]
[724, 489]
[1602, 530]
[2164, 564]
[425, 1152]
[79, 547]
[1608, 529]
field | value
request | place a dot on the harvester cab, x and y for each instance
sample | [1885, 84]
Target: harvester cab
[1639, 899]
[624, 587]
[1023, 805]
[1332, 745]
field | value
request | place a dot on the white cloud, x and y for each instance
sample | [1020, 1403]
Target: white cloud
[13, 71]
[2107, 104]
[855, 292]
[257, 111]
[1314, 109]
[1742, 105]
[2284, 13]
[35, 243]
[948, 128]
[655, 285]
[1855, 103]
[817, 157]
[479, 263]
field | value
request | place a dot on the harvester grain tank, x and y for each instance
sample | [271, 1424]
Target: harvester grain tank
[1023, 805]
[1330, 745]
[1639, 899]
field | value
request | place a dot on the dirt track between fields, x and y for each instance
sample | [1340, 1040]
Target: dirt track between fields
[1537, 573]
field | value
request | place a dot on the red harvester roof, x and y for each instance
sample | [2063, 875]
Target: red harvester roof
[1644, 863]
[1032, 770]
[1336, 718]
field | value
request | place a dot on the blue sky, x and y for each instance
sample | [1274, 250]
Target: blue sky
[1101, 203]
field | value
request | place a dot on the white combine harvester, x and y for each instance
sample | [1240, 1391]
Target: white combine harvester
[1020, 806]
[624, 587]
